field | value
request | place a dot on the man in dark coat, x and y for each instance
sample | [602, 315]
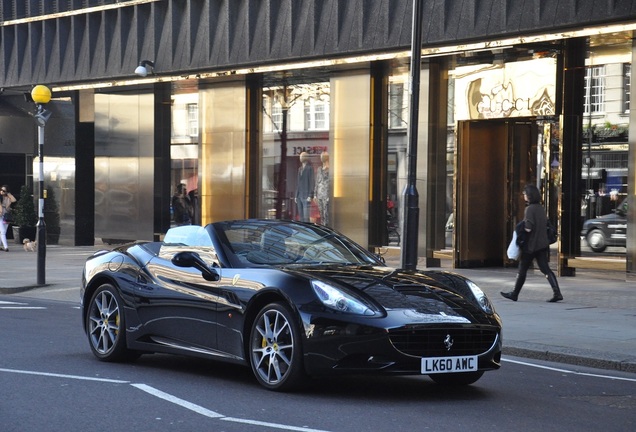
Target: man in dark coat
[181, 206]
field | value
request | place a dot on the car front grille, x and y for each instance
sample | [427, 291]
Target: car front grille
[441, 342]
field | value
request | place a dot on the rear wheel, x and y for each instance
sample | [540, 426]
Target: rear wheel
[457, 379]
[106, 326]
[275, 351]
[596, 240]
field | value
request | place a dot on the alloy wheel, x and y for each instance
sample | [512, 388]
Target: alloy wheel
[274, 352]
[104, 322]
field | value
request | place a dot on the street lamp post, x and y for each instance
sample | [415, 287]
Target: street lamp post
[41, 95]
[411, 196]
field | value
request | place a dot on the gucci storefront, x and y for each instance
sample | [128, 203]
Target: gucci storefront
[549, 106]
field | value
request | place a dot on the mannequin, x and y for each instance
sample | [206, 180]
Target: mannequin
[305, 188]
[322, 189]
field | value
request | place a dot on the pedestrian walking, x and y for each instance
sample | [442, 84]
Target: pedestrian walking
[535, 245]
[6, 199]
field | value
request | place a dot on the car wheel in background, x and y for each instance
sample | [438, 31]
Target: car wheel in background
[596, 240]
[275, 352]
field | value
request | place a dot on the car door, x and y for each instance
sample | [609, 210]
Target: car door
[618, 228]
[177, 305]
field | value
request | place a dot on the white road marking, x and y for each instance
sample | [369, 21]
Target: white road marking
[175, 400]
[16, 305]
[568, 371]
[208, 413]
[170, 398]
[54, 375]
[271, 425]
[212, 414]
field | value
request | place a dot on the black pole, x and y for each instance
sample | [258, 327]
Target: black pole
[411, 197]
[41, 226]
[282, 174]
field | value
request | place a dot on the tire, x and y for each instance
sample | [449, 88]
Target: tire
[596, 240]
[275, 349]
[456, 379]
[106, 327]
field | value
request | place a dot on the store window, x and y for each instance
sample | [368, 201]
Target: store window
[605, 144]
[398, 115]
[184, 150]
[295, 138]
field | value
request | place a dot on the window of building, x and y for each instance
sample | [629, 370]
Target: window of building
[398, 106]
[277, 116]
[595, 90]
[316, 114]
[193, 119]
[627, 85]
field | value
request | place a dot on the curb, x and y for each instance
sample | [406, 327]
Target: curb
[585, 358]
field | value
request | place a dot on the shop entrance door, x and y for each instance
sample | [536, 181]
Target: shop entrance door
[494, 162]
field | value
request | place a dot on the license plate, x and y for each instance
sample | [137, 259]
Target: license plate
[436, 365]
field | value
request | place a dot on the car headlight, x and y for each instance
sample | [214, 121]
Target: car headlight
[339, 300]
[482, 299]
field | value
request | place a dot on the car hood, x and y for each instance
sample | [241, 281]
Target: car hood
[606, 219]
[428, 293]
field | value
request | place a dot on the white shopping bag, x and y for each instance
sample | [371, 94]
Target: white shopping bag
[513, 247]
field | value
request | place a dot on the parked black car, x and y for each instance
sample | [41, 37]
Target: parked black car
[607, 230]
[289, 300]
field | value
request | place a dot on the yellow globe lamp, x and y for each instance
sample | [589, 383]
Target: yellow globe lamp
[41, 94]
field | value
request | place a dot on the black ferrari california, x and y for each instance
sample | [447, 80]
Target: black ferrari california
[290, 300]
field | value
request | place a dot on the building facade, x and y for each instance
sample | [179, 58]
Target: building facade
[510, 93]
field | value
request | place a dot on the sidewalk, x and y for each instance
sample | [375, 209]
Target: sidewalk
[594, 326]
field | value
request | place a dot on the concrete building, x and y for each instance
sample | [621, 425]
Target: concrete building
[510, 93]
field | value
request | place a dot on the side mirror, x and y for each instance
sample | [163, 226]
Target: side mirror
[192, 259]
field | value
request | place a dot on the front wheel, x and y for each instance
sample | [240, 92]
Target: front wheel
[105, 325]
[596, 240]
[275, 351]
[456, 379]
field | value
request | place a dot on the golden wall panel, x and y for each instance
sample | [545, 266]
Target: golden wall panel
[350, 96]
[222, 175]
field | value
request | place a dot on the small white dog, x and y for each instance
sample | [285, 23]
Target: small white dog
[29, 246]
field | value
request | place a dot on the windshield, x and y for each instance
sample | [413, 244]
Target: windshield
[262, 242]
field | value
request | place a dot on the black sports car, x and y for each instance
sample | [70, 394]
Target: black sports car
[607, 230]
[290, 300]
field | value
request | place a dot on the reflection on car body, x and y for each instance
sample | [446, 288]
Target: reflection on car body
[607, 230]
[290, 300]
